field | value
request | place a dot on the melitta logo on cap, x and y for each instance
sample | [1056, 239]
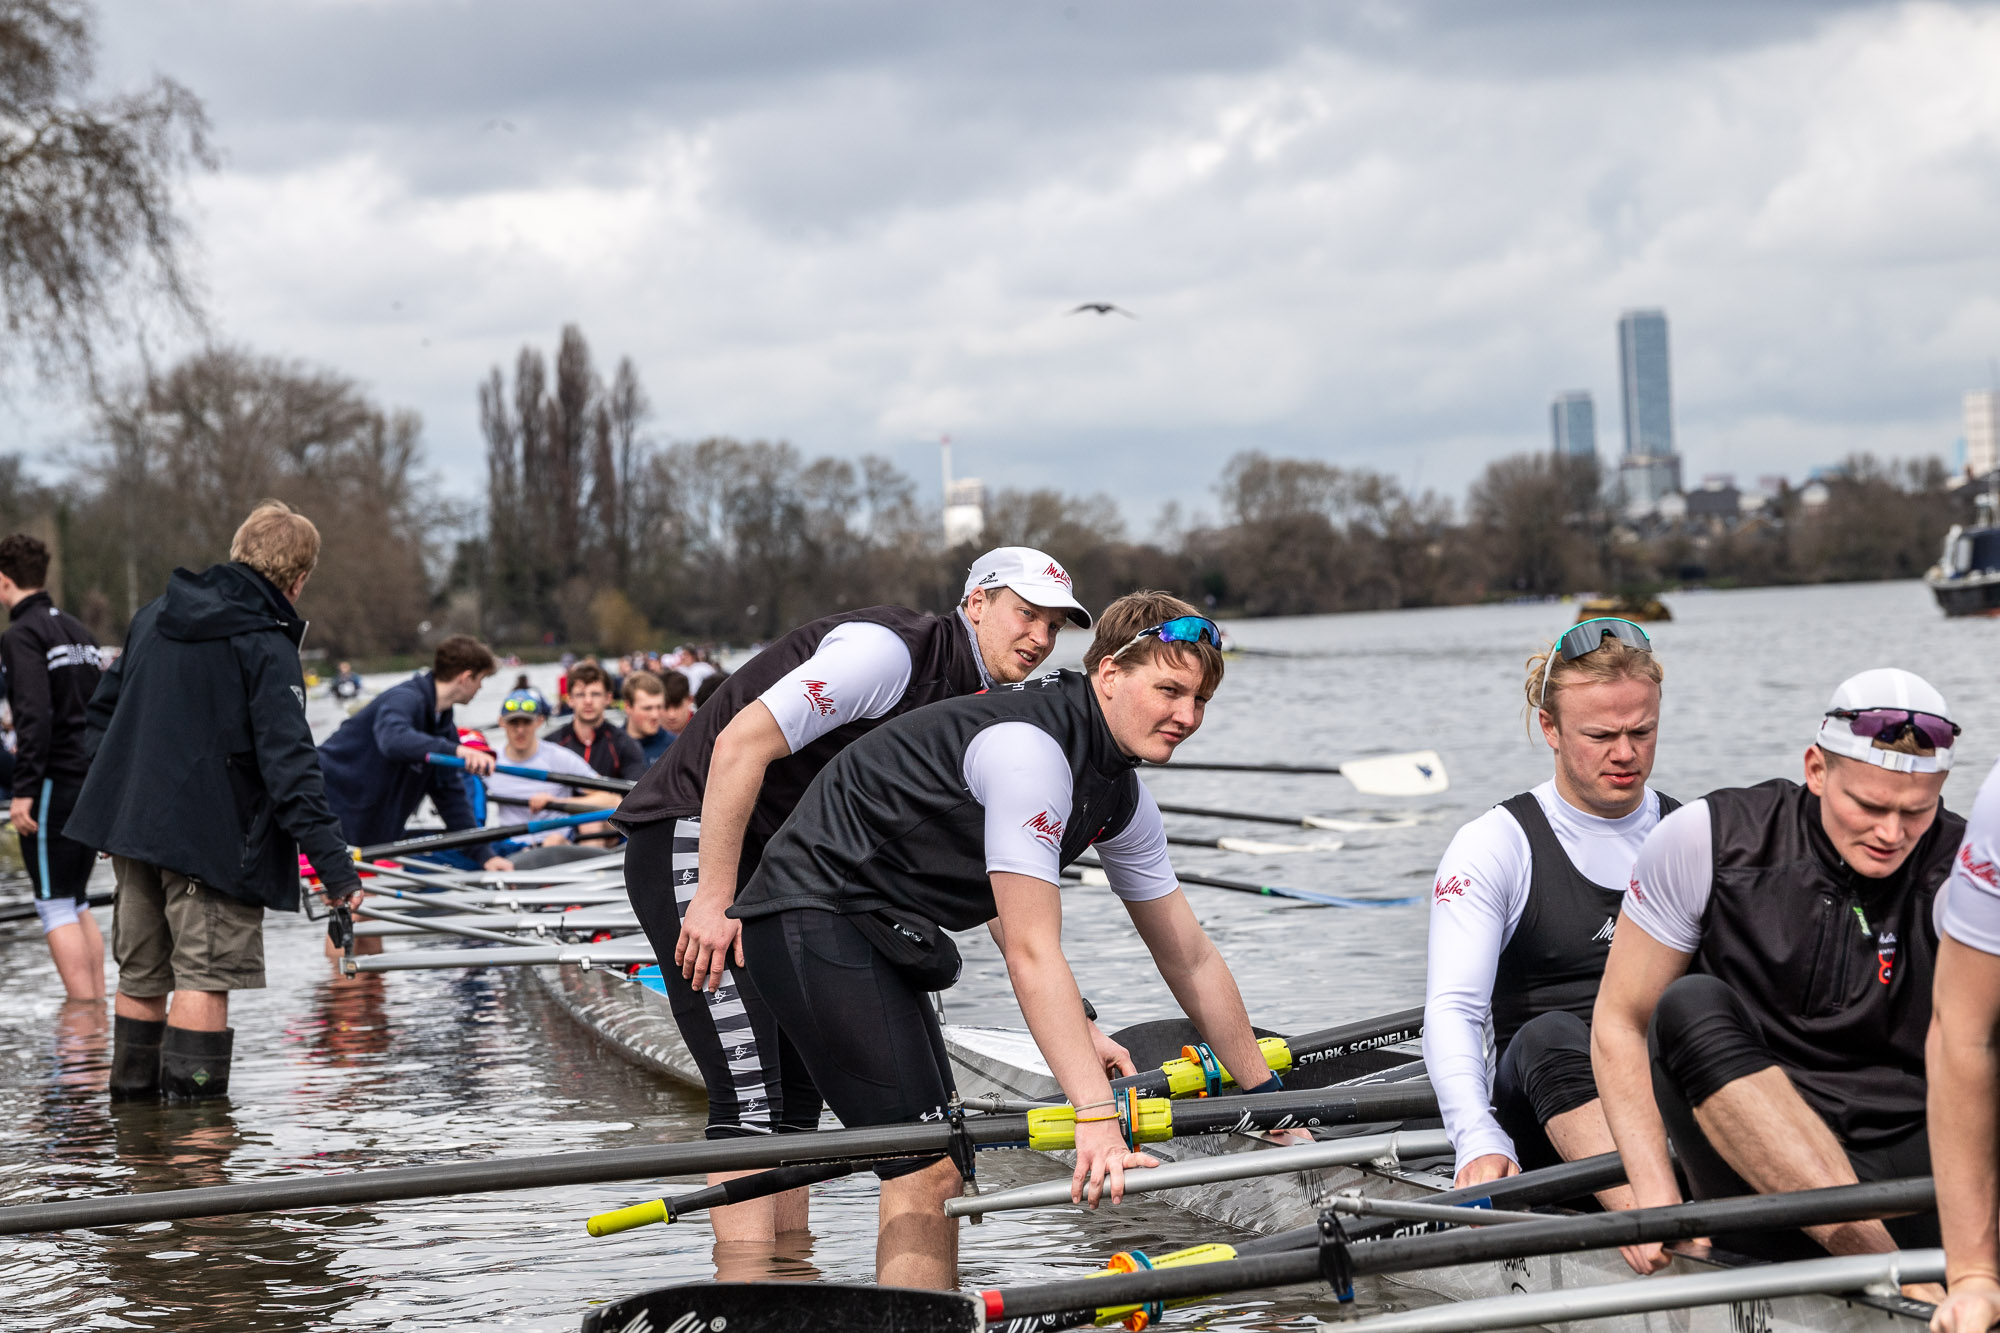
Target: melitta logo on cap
[1058, 573]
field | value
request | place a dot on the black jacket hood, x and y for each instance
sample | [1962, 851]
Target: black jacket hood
[224, 601]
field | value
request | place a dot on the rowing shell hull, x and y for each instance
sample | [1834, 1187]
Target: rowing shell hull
[632, 1020]
[1001, 1062]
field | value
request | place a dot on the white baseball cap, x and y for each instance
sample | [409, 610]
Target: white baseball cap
[1033, 574]
[1888, 691]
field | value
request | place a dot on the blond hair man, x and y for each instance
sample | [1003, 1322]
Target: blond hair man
[204, 790]
[1523, 908]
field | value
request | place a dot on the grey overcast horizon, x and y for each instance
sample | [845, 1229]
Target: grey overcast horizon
[1376, 234]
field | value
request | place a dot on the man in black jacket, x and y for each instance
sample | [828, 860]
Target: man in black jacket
[52, 665]
[206, 788]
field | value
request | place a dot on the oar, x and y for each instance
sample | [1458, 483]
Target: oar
[1180, 1076]
[1092, 872]
[1274, 1161]
[1054, 1127]
[437, 842]
[540, 774]
[1768, 1212]
[1760, 1282]
[533, 922]
[1254, 846]
[611, 953]
[1326, 822]
[1419, 773]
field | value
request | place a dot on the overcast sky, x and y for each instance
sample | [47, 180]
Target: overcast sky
[1376, 233]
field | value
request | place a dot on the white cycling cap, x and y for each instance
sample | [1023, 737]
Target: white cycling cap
[1886, 691]
[1033, 574]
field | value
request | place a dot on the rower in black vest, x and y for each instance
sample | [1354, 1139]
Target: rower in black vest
[1523, 911]
[1769, 991]
[699, 818]
[963, 813]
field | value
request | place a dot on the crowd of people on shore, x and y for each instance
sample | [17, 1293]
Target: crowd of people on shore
[1771, 988]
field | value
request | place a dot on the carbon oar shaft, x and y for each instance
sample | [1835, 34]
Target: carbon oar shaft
[620, 785]
[1845, 1203]
[1218, 1115]
[469, 837]
[1313, 1048]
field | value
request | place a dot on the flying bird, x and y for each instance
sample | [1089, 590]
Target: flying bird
[1103, 308]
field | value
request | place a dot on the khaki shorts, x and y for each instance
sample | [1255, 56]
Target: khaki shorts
[170, 933]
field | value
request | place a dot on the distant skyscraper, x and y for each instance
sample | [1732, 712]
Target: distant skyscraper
[1573, 424]
[1645, 383]
[1982, 431]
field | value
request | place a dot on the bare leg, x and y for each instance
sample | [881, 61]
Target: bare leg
[757, 1219]
[1770, 1137]
[199, 1010]
[1583, 1133]
[145, 1008]
[79, 953]
[918, 1245]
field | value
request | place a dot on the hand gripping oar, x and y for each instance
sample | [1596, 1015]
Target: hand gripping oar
[1091, 872]
[1419, 773]
[1052, 1128]
[469, 837]
[540, 774]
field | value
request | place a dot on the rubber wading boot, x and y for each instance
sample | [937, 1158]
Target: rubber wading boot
[135, 1059]
[194, 1066]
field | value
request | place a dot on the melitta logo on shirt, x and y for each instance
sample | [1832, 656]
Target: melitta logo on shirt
[1983, 871]
[1452, 887]
[1634, 892]
[817, 696]
[1605, 931]
[1885, 956]
[1045, 830]
[1058, 573]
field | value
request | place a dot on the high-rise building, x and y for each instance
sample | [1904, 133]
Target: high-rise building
[1573, 424]
[1982, 431]
[1645, 383]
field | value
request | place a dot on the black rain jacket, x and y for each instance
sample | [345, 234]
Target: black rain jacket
[52, 668]
[204, 763]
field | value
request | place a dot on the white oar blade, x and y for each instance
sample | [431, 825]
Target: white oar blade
[1418, 774]
[1253, 847]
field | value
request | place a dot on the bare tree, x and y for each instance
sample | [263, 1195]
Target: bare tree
[89, 238]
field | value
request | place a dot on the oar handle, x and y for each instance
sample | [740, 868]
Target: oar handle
[626, 1219]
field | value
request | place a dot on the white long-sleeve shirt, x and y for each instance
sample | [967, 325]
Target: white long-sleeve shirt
[1476, 904]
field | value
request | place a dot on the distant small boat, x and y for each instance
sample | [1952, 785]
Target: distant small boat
[1624, 608]
[1966, 578]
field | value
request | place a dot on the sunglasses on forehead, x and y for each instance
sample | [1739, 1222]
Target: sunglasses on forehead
[1182, 629]
[1586, 637]
[1889, 725]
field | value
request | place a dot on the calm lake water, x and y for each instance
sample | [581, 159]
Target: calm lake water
[423, 1067]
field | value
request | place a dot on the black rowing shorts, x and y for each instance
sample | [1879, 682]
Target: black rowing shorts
[756, 1081]
[58, 866]
[870, 1038]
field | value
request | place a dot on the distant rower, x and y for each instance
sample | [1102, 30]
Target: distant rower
[1524, 906]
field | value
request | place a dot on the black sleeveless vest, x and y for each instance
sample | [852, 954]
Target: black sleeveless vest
[1835, 967]
[943, 664]
[889, 822]
[1555, 958]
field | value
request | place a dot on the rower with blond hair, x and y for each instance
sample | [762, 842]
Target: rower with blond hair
[1523, 910]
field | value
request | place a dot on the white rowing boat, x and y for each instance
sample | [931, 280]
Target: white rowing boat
[1003, 1062]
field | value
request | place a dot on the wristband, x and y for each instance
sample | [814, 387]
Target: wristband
[1092, 1106]
[1093, 1119]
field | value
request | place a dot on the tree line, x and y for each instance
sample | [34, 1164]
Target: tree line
[595, 533]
